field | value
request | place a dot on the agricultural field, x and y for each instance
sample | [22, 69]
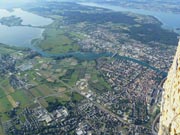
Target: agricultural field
[8, 50]
[11, 98]
[90, 64]
[46, 80]
[57, 40]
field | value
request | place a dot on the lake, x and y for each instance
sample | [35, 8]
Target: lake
[18, 35]
[22, 35]
[169, 20]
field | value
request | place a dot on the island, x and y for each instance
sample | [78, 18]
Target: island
[11, 21]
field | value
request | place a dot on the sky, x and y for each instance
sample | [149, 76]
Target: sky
[13, 3]
[16, 3]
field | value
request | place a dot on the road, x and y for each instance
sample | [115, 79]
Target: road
[154, 124]
[101, 107]
[158, 116]
[95, 103]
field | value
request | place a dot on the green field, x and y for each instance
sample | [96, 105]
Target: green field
[57, 40]
[62, 98]
[5, 49]
[97, 82]
[5, 105]
[76, 97]
[22, 97]
[45, 89]
[2, 94]
[74, 78]
[5, 86]
[36, 93]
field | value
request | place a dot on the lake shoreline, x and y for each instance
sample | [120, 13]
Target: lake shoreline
[166, 18]
[31, 27]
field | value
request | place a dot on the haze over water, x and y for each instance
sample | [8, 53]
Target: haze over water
[22, 35]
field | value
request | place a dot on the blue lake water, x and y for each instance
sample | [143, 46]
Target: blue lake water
[27, 17]
[22, 35]
[18, 35]
[169, 20]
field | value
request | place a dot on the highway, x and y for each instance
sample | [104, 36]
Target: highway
[154, 124]
[158, 116]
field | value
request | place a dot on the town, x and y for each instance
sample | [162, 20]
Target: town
[89, 74]
[122, 94]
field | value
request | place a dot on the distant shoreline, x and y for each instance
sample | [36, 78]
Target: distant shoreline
[165, 18]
